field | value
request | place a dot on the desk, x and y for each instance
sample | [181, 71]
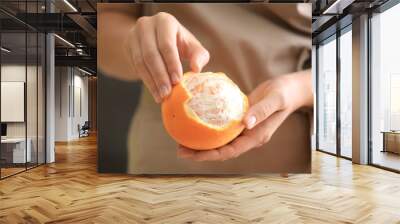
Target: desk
[391, 141]
[15, 148]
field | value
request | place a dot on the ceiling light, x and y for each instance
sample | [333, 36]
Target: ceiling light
[70, 5]
[5, 50]
[337, 7]
[84, 71]
[65, 41]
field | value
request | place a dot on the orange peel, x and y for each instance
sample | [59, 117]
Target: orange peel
[204, 111]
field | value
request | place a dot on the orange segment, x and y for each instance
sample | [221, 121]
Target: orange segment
[204, 111]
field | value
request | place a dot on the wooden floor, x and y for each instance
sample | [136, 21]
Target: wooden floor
[5, 172]
[387, 159]
[70, 191]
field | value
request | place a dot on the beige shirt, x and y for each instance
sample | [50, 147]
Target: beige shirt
[250, 43]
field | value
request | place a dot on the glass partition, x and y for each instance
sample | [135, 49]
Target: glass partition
[385, 89]
[15, 151]
[327, 96]
[22, 101]
[31, 100]
[346, 93]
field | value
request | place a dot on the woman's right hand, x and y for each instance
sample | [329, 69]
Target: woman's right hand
[156, 45]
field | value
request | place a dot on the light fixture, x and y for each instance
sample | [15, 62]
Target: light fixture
[70, 5]
[337, 7]
[79, 51]
[84, 71]
[5, 50]
[65, 41]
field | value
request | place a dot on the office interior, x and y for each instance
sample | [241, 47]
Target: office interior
[357, 84]
[48, 81]
[49, 94]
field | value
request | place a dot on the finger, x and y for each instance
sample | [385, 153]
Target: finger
[167, 29]
[237, 147]
[258, 93]
[229, 151]
[262, 110]
[196, 155]
[263, 132]
[250, 139]
[192, 50]
[152, 57]
[141, 69]
[184, 152]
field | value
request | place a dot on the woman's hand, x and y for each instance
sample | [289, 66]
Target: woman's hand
[156, 45]
[271, 103]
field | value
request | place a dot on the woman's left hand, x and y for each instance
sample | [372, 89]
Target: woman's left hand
[270, 104]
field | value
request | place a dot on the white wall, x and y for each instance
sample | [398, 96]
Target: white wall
[62, 81]
[10, 73]
[70, 83]
[16, 73]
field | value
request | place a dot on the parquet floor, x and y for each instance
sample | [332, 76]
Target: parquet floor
[70, 191]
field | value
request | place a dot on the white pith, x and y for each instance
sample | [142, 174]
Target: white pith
[215, 99]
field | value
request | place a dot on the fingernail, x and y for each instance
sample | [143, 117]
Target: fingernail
[164, 91]
[251, 122]
[175, 78]
[157, 99]
[201, 62]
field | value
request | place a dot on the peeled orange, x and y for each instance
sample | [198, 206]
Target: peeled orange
[204, 111]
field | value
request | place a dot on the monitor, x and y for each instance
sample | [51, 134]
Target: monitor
[3, 129]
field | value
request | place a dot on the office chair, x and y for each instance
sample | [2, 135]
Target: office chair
[84, 130]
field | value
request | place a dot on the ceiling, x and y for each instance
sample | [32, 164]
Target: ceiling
[72, 20]
[332, 15]
[76, 22]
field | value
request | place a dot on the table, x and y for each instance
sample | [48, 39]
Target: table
[391, 141]
[16, 147]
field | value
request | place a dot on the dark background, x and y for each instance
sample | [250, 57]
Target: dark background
[112, 116]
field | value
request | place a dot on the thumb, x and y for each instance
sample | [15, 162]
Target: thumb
[197, 55]
[199, 59]
[261, 110]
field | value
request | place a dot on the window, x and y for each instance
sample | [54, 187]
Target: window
[385, 89]
[327, 96]
[346, 93]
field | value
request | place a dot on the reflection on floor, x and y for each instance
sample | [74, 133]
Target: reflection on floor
[13, 169]
[71, 191]
[10, 171]
[387, 159]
